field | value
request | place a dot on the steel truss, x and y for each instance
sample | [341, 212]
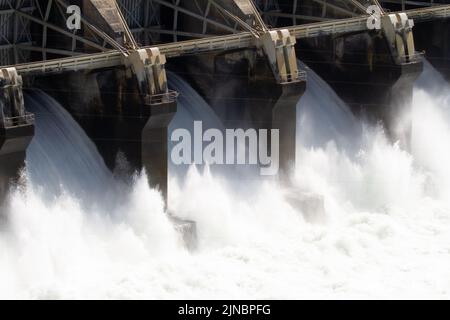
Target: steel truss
[411, 4]
[34, 30]
[146, 22]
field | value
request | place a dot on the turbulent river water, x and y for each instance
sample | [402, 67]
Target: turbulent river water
[72, 232]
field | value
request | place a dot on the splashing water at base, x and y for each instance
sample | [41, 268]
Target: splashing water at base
[387, 232]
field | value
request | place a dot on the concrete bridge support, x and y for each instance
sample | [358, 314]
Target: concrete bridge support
[16, 130]
[134, 135]
[125, 111]
[160, 105]
[255, 89]
[262, 103]
[279, 49]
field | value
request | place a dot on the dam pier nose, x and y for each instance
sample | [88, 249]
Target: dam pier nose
[160, 105]
[16, 130]
[256, 88]
[286, 91]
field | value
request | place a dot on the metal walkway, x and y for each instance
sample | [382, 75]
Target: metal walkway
[114, 58]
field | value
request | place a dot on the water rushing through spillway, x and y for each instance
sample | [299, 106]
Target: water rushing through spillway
[385, 234]
[62, 158]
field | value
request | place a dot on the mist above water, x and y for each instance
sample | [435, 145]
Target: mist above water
[386, 233]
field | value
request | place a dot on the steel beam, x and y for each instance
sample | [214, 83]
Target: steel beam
[241, 40]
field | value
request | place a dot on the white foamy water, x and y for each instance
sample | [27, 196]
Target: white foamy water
[386, 233]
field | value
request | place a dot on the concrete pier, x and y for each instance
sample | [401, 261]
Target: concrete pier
[16, 130]
[128, 128]
[242, 90]
[13, 145]
[255, 88]
[155, 152]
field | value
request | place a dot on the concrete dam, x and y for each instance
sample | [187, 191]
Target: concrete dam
[110, 72]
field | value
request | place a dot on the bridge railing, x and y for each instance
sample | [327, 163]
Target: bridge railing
[11, 122]
[416, 57]
[422, 15]
[297, 76]
[158, 99]
[220, 43]
[82, 62]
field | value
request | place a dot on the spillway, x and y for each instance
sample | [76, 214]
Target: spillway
[62, 157]
[385, 234]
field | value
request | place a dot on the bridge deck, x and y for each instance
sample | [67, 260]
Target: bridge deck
[229, 42]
